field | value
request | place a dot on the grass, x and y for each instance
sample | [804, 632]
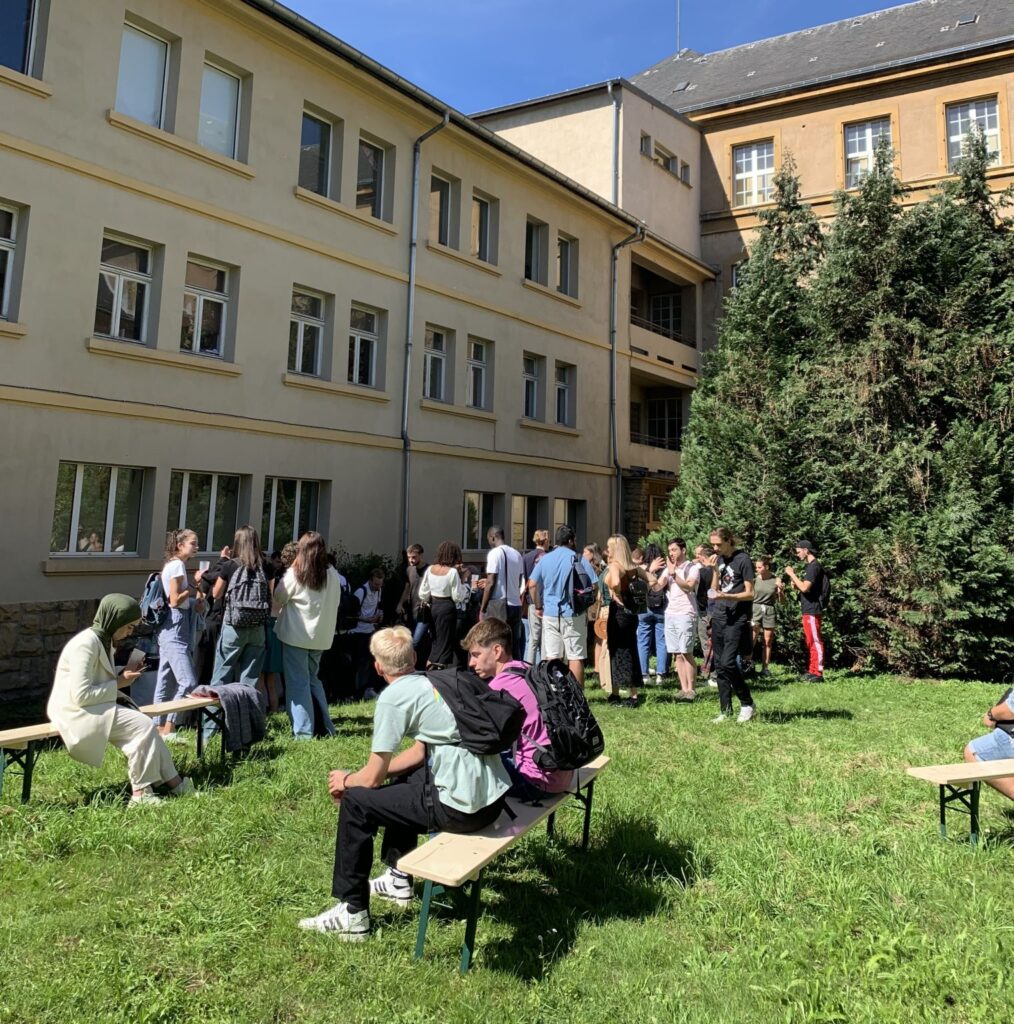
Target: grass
[786, 870]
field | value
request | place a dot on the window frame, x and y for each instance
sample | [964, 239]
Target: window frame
[433, 355]
[952, 158]
[754, 198]
[376, 208]
[164, 99]
[202, 294]
[444, 191]
[234, 155]
[530, 384]
[480, 242]
[9, 246]
[473, 364]
[31, 40]
[302, 321]
[357, 336]
[75, 517]
[212, 504]
[269, 542]
[564, 389]
[868, 154]
[329, 156]
[567, 276]
[120, 274]
[536, 267]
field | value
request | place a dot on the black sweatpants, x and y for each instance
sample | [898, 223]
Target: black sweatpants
[399, 807]
[726, 638]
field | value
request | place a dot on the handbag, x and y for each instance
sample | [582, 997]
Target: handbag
[496, 609]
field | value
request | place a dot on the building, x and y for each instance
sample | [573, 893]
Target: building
[218, 308]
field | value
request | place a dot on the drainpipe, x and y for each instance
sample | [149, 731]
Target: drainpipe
[614, 95]
[413, 246]
[613, 308]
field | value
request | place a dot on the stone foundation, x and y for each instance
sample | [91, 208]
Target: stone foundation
[31, 638]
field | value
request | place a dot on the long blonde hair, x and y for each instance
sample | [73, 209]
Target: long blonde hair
[621, 552]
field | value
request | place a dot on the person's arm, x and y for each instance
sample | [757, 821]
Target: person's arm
[219, 588]
[487, 591]
[177, 593]
[801, 585]
[279, 598]
[407, 760]
[460, 590]
[424, 588]
[746, 595]
[1002, 712]
[689, 585]
[372, 775]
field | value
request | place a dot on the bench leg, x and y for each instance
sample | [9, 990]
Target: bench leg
[424, 919]
[943, 812]
[474, 898]
[551, 826]
[200, 733]
[973, 810]
[29, 769]
[969, 801]
[586, 833]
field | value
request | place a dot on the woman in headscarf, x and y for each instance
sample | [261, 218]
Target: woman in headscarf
[83, 705]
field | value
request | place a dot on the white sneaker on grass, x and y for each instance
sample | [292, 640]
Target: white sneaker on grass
[745, 713]
[719, 718]
[146, 796]
[340, 922]
[393, 886]
[185, 788]
[713, 682]
[173, 737]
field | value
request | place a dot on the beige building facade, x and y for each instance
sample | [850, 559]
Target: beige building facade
[206, 238]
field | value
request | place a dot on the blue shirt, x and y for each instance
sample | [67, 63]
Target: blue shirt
[552, 580]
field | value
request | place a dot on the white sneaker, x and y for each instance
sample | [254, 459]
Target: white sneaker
[713, 682]
[185, 788]
[745, 713]
[173, 737]
[718, 718]
[392, 887]
[340, 922]
[146, 796]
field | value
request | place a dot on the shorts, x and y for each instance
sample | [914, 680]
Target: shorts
[564, 637]
[994, 746]
[679, 634]
[764, 616]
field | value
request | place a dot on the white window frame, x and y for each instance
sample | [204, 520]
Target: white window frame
[330, 148]
[478, 365]
[270, 542]
[10, 247]
[234, 155]
[482, 208]
[432, 356]
[33, 30]
[359, 337]
[212, 503]
[955, 142]
[121, 275]
[165, 69]
[444, 191]
[869, 132]
[302, 321]
[202, 294]
[563, 389]
[377, 207]
[645, 145]
[752, 193]
[540, 243]
[566, 267]
[685, 176]
[75, 515]
[530, 383]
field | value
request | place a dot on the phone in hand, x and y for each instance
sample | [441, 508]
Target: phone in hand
[135, 661]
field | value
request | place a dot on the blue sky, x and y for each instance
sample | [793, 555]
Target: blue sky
[476, 54]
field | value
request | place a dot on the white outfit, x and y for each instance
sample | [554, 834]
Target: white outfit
[447, 585]
[171, 570]
[83, 708]
[307, 618]
[509, 568]
[369, 605]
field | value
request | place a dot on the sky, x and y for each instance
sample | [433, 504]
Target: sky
[477, 54]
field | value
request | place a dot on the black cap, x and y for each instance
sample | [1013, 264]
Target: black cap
[806, 546]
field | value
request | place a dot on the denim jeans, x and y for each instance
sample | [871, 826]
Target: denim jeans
[419, 634]
[176, 677]
[239, 652]
[303, 689]
[533, 636]
[651, 632]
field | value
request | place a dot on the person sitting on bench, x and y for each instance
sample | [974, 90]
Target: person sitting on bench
[84, 707]
[488, 644]
[434, 785]
[999, 743]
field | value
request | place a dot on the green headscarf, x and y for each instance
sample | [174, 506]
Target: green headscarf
[114, 612]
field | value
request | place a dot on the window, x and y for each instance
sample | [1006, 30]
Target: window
[479, 515]
[753, 173]
[738, 272]
[364, 341]
[440, 210]
[528, 514]
[536, 251]
[665, 312]
[477, 389]
[315, 155]
[645, 144]
[685, 172]
[205, 302]
[530, 373]
[485, 211]
[8, 245]
[564, 385]
[665, 422]
[206, 503]
[124, 285]
[435, 365]
[17, 29]
[370, 179]
[306, 332]
[572, 513]
[97, 509]
[141, 88]
[961, 117]
[861, 141]
[290, 509]
[666, 160]
[566, 265]
[218, 125]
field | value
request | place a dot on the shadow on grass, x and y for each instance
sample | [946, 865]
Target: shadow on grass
[627, 874]
[787, 717]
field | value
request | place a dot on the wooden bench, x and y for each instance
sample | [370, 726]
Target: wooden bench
[960, 783]
[451, 861]
[21, 747]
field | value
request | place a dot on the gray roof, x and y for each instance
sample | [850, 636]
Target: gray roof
[914, 33]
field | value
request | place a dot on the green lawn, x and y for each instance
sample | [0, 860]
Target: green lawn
[785, 870]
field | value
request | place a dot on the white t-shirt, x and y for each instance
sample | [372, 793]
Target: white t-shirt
[680, 602]
[369, 605]
[174, 569]
[510, 570]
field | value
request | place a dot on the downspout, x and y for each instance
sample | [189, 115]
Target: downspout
[413, 246]
[613, 310]
[614, 95]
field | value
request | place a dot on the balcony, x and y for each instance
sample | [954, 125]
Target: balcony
[669, 444]
[658, 327]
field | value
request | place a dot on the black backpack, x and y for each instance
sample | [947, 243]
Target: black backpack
[489, 721]
[349, 607]
[825, 589]
[638, 595]
[584, 592]
[247, 598]
[575, 737]
[656, 600]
